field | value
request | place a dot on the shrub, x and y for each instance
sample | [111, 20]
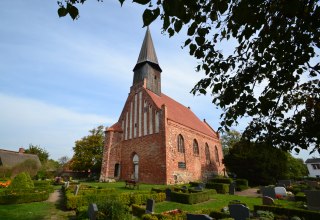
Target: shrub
[242, 182]
[138, 210]
[17, 198]
[300, 196]
[158, 190]
[219, 187]
[221, 180]
[113, 209]
[289, 212]
[219, 215]
[191, 198]
[21, 181]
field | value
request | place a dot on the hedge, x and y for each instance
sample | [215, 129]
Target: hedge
[219, 215]
[72, 201]
[138, 210]
[23, 198]
[300, 196]
[219, 187]
[290, 212]
[191, 198]
[241, 184]
[221, 180]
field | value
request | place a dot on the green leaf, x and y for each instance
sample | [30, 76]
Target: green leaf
[178, 25]
[150, 15]
[62, 12]
[73, 11]
[141, 2]
[121, 2]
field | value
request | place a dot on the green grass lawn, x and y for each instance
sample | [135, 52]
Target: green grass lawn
[120, 186]
[217, 202]
[32, 211]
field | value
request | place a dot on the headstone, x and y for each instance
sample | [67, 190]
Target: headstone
[168, 194]
[313, 199]
[150, 206]
[266, 200]
[66, 185]
[239, 211]
[279, 190]
[76, 190]
[284, 183]
[268, 191]
[232, 188]
[198, 217]
[92, 211]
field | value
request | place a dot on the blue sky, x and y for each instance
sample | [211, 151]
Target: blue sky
[60, 78]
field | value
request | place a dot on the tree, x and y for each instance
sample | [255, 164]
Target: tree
[262, 164]
[41, 152]
[272, 75]
[88, 151]
[230, 138]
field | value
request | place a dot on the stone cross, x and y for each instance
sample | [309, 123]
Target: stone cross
[92, 211]
[150, 206]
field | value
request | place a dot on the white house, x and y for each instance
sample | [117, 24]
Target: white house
[313, 167]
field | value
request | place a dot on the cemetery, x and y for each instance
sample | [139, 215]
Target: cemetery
[219, 198]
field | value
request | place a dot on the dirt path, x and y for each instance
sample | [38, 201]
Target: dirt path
[55, 197]
[252, 192]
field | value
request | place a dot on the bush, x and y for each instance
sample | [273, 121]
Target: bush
[221, 180]
[191, 198]
[138, 210]
[113, 209]
[289, 212]
[23, 198]
[219, 215]
[241, 184]
[158, 190]
[300, 196]
[21, 181]
[219, 187]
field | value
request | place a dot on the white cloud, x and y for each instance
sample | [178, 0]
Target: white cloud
[26, 121]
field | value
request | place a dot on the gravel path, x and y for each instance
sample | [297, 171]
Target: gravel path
[252, 192]
[55, 196]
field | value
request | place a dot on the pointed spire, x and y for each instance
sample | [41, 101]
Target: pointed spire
[147, 52]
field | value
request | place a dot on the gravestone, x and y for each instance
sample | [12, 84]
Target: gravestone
[313, 199]
[284, 183]
[150, 206]
[66, 185]
[76, 190]
[168, 194]
[239, 211]
[232, 188]
[279, 190]
[92, 211]
[198, 217]
[268, 191]
[266, 200]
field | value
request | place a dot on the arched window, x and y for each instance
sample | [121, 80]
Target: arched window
[195, 147]
[216, 154]
[180, 144]
[207, 152]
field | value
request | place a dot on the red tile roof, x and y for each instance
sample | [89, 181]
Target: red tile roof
[181, 114]
[115, 127]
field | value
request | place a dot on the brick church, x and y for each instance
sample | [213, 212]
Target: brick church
[156, 139]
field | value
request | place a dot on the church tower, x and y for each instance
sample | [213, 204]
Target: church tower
[147, 71]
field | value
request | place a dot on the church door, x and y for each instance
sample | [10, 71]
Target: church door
[135, 161]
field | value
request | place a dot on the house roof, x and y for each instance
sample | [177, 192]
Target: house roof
[181, 114]
[313, 160]
[12, 158]
[115, 127]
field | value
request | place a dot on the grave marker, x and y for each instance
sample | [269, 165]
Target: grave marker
[266, 200]
[76, 190]
[239, 211]
[313, 199]
[150, 206]
[279, 190]
[268, 191]
[198, 217]
[92, 211]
